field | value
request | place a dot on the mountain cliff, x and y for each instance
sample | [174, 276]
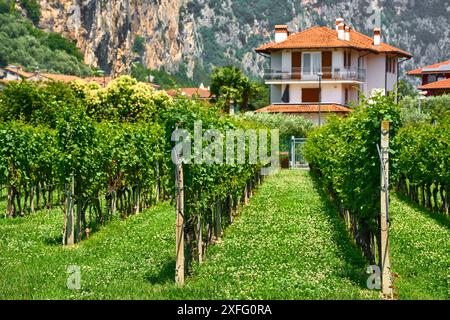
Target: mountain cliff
[194, 35]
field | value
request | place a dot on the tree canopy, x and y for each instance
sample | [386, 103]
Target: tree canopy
[230, 86]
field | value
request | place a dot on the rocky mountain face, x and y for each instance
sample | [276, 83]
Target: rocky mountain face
[194, 35]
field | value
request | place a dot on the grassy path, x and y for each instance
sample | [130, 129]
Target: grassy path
[289, 243]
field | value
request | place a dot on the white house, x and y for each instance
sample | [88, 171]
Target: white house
[320, 70]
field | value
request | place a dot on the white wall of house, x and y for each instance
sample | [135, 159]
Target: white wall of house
[376, 68]
[332, 93]
[295, 93]
[275, 93]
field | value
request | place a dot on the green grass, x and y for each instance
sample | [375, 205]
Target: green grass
[420, 251]
[289, 243]
[123, 260]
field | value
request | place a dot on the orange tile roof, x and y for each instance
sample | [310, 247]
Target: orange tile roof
[18, 70]
[190, 92]
[443, 84]
[304, 108]
[434, 68]
[324, 37]
[60, 77]
[99, 80]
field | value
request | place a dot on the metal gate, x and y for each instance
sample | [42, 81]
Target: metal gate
[297, 158]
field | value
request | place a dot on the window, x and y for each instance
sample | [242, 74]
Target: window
[347, 59]
[435, 77]
[391, 64]
[361, 63]
[312, 63]
[346, 96]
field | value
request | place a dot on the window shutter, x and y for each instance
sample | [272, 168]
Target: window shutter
[296, 65]
[327, 60]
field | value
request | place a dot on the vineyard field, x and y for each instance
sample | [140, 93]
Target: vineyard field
[298, 248]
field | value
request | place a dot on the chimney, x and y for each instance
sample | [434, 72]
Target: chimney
[341, 31]
[281, 33]
[377, 36]
[338, 22]
[347, 33]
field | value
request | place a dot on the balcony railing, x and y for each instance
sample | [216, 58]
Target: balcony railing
[306, 74]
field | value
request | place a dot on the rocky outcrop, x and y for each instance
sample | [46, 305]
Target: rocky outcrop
[105, 30]
[198, 34]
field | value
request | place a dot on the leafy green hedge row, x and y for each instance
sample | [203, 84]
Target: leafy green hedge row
[115, 144]
[212, 191]
[344, 155]
[103, 158]
[27, 161]
[423, 163]
[431, 108]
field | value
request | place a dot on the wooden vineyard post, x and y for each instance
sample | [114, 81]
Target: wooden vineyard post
[199, 239]
[386, 283]
[231, 208]
[218, 220]
[246, 194]
[70, 212]
[158, 183]
[32, 199]
[78, 229]
[179, 271]
[9, 207]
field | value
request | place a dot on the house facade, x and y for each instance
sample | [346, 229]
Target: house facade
[320, 70]
[435, 78]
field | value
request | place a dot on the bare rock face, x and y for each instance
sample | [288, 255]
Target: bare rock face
[201, 34]
[106, 29]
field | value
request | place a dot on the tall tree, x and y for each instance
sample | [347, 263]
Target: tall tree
[229, 85]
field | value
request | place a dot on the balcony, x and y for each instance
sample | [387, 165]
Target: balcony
[306, 74]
